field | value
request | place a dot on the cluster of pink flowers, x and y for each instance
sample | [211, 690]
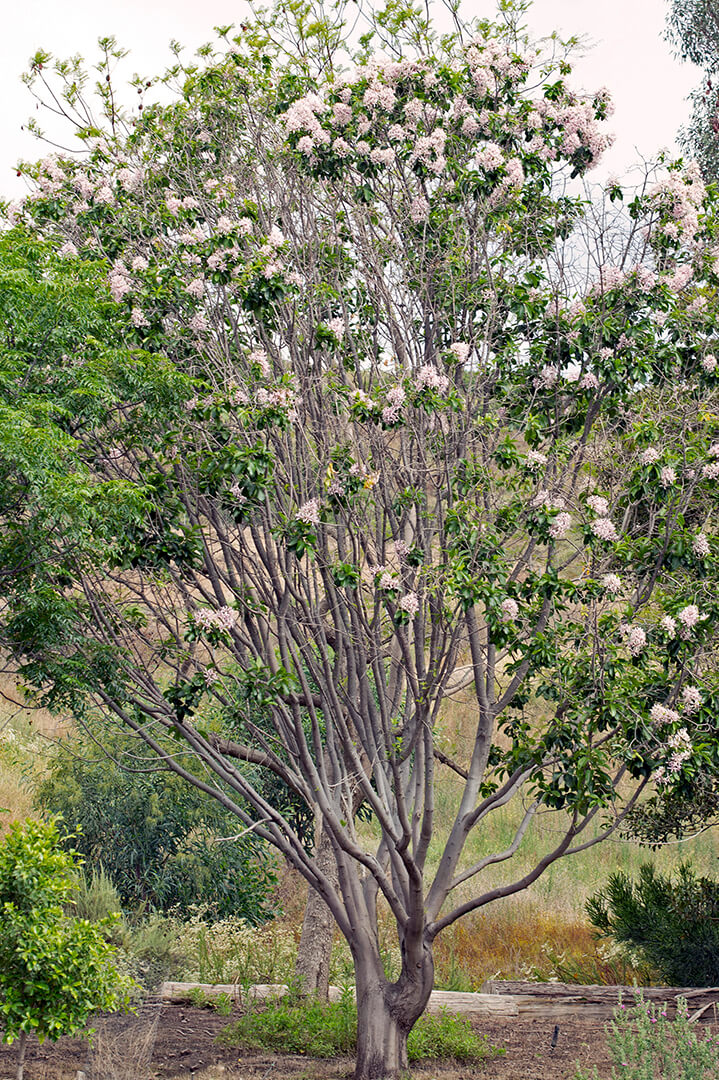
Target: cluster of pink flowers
[395, 400]
[510, 609]
[612, 583]
[649, 456]
[667, 476]
[119, 281]
[604, 529]
[429, 377]
[662, 715]
[709, 363]
[196, 287]
[678, 198]
[260, 358]
[223, 618]
[668, 625]
[559, 525]
[599, 505]
[409, 603]
[548, 377]
[700, 546]
[282, 397]
[635, 638]
[692, 699]
[689, 616]
[419, 210]
[535, 460]
[489, 157]
[309, 512]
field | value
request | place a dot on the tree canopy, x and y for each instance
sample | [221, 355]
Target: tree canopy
[388, 410]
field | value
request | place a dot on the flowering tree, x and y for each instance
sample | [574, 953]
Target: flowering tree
[399, 415]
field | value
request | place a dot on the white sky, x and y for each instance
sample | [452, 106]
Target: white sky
[629, 56]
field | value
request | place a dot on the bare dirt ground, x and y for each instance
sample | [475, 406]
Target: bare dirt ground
[177, 1042]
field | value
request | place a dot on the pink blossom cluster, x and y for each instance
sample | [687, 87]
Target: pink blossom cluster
[429, 377]
[678, 198]
[634, 637]
[419, 210]
[223, 618]
[460, 350]
[690, 616]
[599, 505]
[535, 460]
[604, 529]
[692, 699]
[395, 399]
[709, 363]
[309, 512]
[662, 715]
[509, 609]
[259, 357]
[283, 398]
[700, 546]
[409, 603]
[612, 583]
[548, 377]
[119, 281]
[559, 525]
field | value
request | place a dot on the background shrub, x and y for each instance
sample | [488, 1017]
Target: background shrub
[155, 836]
[673, 923]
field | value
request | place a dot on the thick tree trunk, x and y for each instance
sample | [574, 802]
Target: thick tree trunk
[386, 1013]
[315, 948]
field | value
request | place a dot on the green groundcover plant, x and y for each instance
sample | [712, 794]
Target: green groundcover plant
[321, 1029]
[55, 970]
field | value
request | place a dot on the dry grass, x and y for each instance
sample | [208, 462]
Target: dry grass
[122, 1047]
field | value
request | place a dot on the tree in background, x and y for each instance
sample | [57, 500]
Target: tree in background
[693, 29]
[397, 417]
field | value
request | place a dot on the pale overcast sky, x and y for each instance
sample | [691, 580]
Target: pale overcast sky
[629, 56]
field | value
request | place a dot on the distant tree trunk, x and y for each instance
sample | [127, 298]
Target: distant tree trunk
[315, 948]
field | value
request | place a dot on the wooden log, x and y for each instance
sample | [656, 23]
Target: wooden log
[482, 1004]
[542, 1001]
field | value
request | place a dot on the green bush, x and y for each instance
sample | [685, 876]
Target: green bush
[55, 970]
[154, 835]
[325, 1030]
[673, 924]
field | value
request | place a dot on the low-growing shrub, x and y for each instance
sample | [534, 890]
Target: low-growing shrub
[672, 923]
[298, 1026]
[646, 1045]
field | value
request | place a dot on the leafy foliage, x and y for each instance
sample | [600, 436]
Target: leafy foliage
[672, 923]
[55, 971]
[154, 835]
[326, 1030]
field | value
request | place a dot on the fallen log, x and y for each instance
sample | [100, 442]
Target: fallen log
[482, 1004]
[543, 1001]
